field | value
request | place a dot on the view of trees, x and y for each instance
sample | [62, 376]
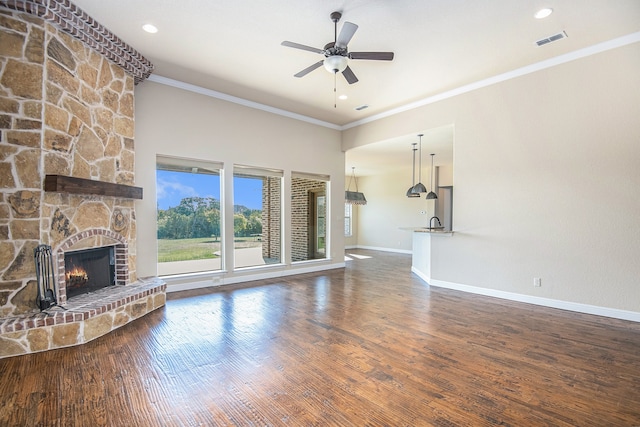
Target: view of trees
[197, 217]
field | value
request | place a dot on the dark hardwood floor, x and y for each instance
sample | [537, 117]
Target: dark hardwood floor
[370, 345]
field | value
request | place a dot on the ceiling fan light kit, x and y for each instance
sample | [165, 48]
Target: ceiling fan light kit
[335, 63]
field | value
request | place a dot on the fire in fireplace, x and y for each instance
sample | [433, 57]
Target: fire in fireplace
[89, 270]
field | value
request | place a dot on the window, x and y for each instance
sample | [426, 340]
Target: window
[257, 219]
[188, 216]
[347, 220]
[308, 216]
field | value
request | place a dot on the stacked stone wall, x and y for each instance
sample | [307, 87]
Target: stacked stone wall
[66, 110]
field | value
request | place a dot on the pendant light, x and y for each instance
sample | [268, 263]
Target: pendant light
[431, 195]
[354, 197]
[413, 179]
[419, 187]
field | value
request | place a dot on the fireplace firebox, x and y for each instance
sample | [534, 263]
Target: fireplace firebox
[89, 270]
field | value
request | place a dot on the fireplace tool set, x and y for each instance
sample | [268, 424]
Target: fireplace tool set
[45, 277]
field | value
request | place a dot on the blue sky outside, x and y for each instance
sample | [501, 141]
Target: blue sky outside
[171, 187]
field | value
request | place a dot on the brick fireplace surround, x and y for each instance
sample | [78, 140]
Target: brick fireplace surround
[79, 241]
[66, 109]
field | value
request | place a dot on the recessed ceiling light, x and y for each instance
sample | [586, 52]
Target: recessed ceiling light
[150, 28]
[543, 13]
[342, 97]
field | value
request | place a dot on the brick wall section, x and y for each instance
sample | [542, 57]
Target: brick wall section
[272, 218]
[300, 188]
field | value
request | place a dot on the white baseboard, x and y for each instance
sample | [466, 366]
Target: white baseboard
[375, 248]
[178, 283]
[206, 280]
[421, 275]
[545, 302]
[190, 285]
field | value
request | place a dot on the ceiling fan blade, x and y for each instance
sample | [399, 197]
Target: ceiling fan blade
[349, 76]
[309, 69]
[379, 56]
[301, 46]
[348, 30]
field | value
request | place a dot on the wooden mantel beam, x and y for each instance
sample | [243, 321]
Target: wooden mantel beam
[69, 184]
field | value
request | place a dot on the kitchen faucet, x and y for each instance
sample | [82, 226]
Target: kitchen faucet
[437, 219]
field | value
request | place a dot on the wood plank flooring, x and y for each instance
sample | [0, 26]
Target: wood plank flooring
[370, 345]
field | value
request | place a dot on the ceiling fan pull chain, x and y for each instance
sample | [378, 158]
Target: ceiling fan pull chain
[335, 102]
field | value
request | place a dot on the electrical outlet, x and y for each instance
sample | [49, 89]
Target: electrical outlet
[537, 282]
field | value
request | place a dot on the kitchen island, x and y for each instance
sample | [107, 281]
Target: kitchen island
[421, 249]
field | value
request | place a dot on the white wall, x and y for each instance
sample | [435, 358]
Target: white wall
[352, 241]
[176, 122]
[546, 177]
[388, 210]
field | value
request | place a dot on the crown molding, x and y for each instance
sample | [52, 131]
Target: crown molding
[241, 101]
[538, 66]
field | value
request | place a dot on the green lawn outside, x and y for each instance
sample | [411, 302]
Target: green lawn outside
[170, 250]
[187, 249]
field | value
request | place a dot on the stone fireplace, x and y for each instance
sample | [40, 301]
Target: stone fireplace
[66, 113]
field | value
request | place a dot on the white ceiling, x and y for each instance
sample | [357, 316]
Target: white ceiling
[396, 153]
[233, 47]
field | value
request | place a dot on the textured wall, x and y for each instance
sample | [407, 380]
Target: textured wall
[64, 109]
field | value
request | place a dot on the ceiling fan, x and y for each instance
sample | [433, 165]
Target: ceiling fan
[336, 52]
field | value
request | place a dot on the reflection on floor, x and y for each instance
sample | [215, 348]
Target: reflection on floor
[351, 256]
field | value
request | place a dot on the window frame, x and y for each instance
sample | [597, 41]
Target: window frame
[244, 171]
[348, 218]
[202, 167]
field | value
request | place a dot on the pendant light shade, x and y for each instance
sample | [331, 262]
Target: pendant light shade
[431, 195]
[354, 197]
[410, 192]
[419, 187]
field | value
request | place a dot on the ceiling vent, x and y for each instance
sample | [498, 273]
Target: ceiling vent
[552, 38]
